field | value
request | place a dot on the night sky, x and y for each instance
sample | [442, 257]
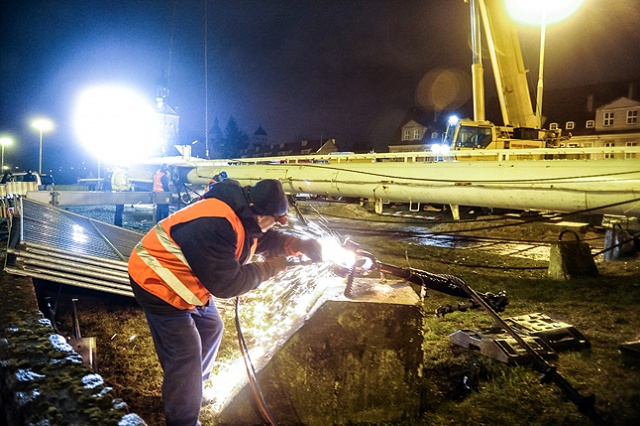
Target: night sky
[345, 69]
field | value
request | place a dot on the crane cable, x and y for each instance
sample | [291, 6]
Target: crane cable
[251, 372]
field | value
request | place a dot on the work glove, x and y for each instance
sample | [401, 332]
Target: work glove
[272, 266]
[311, 248]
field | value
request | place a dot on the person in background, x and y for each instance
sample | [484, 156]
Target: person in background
[217, 179]
[119, 182]
[161, 184]
[201, 251]
[6, 177]
[30, 177]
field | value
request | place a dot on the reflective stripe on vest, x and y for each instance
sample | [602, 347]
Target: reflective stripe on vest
[158, 265]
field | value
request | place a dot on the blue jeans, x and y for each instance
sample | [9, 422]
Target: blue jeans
[186, 343]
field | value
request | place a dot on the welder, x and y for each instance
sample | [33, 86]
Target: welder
[201, 251]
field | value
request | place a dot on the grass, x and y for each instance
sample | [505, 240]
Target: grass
[605, 309]
[460, 387]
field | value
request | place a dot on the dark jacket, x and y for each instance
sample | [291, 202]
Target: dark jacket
[208, 244]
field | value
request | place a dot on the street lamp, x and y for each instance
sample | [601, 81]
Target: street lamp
[542, 12]
[42, 125]
[4, 142]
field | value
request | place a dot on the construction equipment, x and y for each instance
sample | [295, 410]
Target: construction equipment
[455, 286]
[521, 129]
[585, 403]
[443, 283]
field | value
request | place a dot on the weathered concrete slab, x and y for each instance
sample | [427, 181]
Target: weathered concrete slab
[571, 259]
[351, 361]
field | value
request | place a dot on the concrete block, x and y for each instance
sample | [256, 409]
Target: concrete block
[351, 361]
[571, 259]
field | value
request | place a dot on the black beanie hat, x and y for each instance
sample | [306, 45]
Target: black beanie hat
[267, 198]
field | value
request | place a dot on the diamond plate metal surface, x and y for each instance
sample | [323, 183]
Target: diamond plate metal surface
[56, 245]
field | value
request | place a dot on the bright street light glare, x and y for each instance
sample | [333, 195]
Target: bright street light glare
[4, 141]
[116, 124]
[42, 124]
[531, 12]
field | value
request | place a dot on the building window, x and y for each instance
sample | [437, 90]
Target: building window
[553, 126]
[631, 144]
[304, 143]
[406, 135]
[416, 134]
[305, 151]
[607, 119]
[570, 125]
[590, 124]
[609, 144]
[632, 116]
[587, 145]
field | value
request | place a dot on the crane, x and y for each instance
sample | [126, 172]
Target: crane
[520, 128]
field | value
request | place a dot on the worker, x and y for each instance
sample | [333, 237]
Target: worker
[217, 179]
[161, 184]
[119, 182]
[7, 177]
[201, 251]
[30, 177]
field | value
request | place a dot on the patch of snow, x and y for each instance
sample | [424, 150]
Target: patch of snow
[131, 420]
[28, 375]
[92, 381]
[60, 343]
[23, 398]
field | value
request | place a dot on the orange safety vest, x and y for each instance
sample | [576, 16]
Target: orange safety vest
[157, 181]
[158, 265]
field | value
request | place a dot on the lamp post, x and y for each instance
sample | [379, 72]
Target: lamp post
[539, 12]
[42, 125]
[4, 142]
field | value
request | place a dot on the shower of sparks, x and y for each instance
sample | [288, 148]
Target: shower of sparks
[333, 251]
[269, 316]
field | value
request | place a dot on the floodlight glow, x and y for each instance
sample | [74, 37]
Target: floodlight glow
[453, 119]
[42, 124]
[533, 12]
[115, 123]
[440, 149]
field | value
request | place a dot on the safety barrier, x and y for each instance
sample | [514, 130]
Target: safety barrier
[17, 188]
[10, 194]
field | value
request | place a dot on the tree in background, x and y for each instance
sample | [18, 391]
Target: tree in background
[216, 140]
[227, 144]
[236, 140]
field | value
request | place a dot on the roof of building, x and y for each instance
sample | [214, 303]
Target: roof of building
[579, 104]
[318, 146]
[432, 120]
